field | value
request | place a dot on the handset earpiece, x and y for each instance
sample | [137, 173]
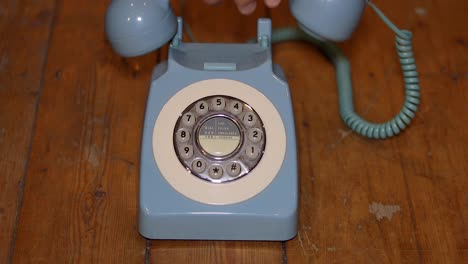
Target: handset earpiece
[336, 20]
[136, 27]
[333, 20]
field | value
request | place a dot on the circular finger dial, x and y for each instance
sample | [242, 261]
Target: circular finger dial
[219, 138]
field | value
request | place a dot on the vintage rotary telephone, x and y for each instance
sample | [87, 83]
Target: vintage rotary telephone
[218, 158]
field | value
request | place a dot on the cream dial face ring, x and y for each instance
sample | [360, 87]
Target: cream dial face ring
[219, 142]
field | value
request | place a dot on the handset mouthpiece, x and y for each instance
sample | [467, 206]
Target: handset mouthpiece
[137, 27]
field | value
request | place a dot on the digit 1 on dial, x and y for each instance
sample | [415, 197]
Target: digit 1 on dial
[252, 152]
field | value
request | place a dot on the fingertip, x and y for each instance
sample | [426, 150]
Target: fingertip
[248, 8]
[272, 3]
[212, 2]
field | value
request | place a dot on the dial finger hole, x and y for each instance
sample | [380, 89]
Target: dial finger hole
[201, 107]
[183, 135]
[188, 119]
[186, 152]
[233, 169]
[218, 104]
[199, 165]
[249, 119]
[252, 152]
[235, 107]
[216, 172]
[255, 135]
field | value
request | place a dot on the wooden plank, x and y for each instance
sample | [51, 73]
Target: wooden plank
[80, 202]
[422, 172]
[220, 23]
[434, 157]
[24, 34]
[167, 252]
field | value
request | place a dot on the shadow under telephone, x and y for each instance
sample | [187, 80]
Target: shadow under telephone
[218, 156]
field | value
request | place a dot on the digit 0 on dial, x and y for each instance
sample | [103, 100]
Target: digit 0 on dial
[219, 139]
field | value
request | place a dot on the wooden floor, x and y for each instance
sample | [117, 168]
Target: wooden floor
[71, 114]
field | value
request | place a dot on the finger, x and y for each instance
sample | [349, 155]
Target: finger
[272, 3]
[213, 2]
[246, 7]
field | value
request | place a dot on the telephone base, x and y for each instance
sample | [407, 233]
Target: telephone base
[187, 220]
[176, 204]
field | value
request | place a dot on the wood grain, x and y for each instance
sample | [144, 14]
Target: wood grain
[434, 156]
[221, 23]
[80, 198]
[24, 35]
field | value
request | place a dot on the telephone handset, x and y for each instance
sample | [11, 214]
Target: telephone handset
[218, 157]
[136, 27]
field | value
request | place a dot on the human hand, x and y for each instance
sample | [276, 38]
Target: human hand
[246, 7]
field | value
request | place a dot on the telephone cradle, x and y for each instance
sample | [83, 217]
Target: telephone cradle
[180, 200]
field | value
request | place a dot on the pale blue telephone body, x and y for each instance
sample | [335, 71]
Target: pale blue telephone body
[193, 208]
[218, 157]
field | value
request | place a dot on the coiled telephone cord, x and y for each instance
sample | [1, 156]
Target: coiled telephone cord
[343, 75]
